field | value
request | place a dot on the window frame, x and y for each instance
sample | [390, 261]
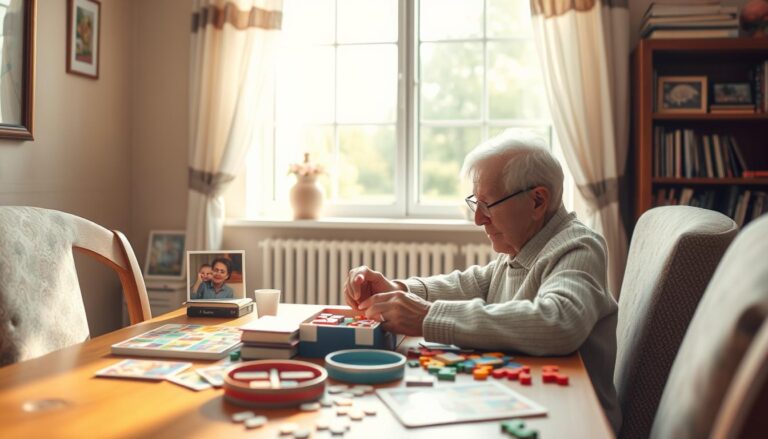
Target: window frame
[407, 178]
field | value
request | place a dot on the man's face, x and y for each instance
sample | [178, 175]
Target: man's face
[511, 223]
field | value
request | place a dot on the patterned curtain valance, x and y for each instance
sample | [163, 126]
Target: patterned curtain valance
[217, 16]
[554, 8]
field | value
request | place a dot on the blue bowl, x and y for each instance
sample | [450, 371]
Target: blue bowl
[365, 366]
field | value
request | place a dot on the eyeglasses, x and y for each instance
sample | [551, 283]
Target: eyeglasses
[485, 209]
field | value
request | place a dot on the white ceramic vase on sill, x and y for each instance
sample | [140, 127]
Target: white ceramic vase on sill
[306, 197]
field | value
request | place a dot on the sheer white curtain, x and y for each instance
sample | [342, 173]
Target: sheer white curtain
[233, 48]
[583, 46]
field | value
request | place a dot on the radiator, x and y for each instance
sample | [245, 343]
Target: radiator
[477, 254]
[314, 271]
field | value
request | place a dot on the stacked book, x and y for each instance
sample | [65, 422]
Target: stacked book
[690, 19]
[270, 337]
[228, 308]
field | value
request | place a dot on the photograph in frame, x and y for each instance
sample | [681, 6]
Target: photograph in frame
[215, 275]
[83, 37]
[165, 255]
[682, 94]
[732, 93]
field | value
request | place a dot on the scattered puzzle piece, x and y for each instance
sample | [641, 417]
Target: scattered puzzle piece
[517, 429]
[420, 381]
[242, 416]
[525, 378]
[255, 422]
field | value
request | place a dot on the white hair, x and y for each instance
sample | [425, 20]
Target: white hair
[528, 163]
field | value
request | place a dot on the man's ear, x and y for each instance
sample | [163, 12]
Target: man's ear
[541, 200]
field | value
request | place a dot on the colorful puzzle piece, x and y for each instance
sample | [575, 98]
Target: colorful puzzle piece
[517, 429]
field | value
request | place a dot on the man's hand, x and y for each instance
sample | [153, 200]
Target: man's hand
[399, 311]
[362, 283]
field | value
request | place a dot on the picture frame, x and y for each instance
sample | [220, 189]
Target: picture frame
[732, 93]
[165, 255]
[682, 94]
[83, 37]
[202, 286]
[17, 77]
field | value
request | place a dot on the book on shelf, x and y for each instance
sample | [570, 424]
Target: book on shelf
[693, 33]
[686, 195]
[755, 174]
[225, 303]
[271, 329]
[684, 9]
[741, 208]
[258, 351]
[728, 25]
[759, 206]
[693, 18]
[219, 311]
[182, 341]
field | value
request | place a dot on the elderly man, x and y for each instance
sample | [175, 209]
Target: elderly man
[544, 295]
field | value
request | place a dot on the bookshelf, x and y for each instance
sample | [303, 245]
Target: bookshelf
[732, 60]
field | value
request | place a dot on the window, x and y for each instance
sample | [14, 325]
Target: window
[390, 96]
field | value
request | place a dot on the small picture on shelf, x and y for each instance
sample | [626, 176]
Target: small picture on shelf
[732, 93]
[682, 94]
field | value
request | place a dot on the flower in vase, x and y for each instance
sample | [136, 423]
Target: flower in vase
[306, 168]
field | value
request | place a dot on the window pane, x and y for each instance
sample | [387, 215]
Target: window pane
[307, 21]
[515, 89]
[305, 86]
[451, 80]
[442, 153]
[545, 132]
[366, 169]
[291, 142]
[367, 21]
[367, 83]
[508, 18]
[450, 19]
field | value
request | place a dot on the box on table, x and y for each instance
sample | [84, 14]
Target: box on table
[316, 340]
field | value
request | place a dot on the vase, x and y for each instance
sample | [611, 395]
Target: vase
[306, 197]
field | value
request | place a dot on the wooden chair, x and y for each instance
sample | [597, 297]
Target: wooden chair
[673, 253]
[41, 307]
[724, 341]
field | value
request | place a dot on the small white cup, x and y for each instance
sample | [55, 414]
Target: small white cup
[266, 302]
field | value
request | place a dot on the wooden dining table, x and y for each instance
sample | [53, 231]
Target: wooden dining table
[57, 395]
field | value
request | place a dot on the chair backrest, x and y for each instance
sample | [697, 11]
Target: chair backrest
[41, 307]
[724, 327]
[744, 408]
[673, 253]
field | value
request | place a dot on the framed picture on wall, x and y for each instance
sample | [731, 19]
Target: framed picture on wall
[165, 255]
[682, 94]
[83, 37]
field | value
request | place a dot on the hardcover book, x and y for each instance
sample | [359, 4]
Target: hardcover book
[269, 351]
[182, 341]
[218, 311]
[232, 303]
[271, 329]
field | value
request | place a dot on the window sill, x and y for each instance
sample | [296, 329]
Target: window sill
[444, 225]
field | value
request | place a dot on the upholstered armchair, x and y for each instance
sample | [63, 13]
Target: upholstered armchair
[723, 354]
[673, 253]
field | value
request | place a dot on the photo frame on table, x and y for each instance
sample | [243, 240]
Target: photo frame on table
[83, 37]
[165, 255]
[204, 275]
[682, 94]
[732, 93]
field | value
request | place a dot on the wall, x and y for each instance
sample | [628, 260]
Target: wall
[80, 159]
[160, 118]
